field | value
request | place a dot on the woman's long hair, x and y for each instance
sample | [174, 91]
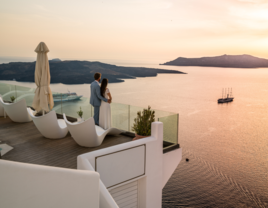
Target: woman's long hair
[104, 84]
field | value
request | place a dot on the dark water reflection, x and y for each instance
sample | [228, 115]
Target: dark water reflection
[227, 144]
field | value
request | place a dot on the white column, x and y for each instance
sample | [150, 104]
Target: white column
[154, 168]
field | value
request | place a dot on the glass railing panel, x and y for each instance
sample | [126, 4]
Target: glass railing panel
[57, 102]
[158, 114]
[71, 107]
[7, 91]
[161, 114]
[4, 88]
[25, 93]
[170, 128]
[120, 115]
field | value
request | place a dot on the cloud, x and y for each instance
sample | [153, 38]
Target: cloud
[254, 1]
[41, 7]
[254, 16]
[252, 13]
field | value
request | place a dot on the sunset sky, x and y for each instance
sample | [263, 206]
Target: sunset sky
[134, 29]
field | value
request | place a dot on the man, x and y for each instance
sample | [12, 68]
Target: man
[95, 97]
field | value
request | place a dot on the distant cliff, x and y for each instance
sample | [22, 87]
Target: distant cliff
[233, 61]
[77, 72]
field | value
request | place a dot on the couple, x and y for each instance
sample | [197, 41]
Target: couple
[100, 99]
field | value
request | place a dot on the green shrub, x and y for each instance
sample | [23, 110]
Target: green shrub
[142, 124]
[12, 98]
[80, 113]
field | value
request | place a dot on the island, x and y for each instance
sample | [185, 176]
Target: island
[232, 61]
[77, 72]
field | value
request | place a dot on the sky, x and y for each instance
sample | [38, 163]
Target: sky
[134, 29]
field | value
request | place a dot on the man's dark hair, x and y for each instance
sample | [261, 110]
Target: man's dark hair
[97, 75]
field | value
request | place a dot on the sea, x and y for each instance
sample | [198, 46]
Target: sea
[226, 144]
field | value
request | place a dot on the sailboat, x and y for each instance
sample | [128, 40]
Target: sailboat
[227, 98]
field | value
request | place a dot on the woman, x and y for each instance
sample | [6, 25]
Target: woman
[105, 108]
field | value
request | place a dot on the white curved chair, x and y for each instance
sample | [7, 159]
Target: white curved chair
[17, 112]
[2, 111]
[49, 126]
[86, 134]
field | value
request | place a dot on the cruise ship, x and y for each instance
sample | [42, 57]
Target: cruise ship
[65, 97]
[38, 170]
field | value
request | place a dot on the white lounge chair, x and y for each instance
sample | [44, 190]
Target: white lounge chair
[17, 112]
[2, 111]
[86, 134]
[49, 126]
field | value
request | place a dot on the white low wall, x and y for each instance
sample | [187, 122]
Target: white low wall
[122, 165]
[118, 167]
[150, 184]
[106, 200]
[170, 162]
[34, 186]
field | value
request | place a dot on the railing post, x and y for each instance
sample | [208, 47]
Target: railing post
[61, 103]
[178, 128]
[129, 118]
[16, 93]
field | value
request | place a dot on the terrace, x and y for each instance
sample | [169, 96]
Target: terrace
[31, 147]
[131, 173]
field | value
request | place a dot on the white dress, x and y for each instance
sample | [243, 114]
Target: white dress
[105, 113]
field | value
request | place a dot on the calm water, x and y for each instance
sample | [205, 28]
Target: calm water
[227, 144]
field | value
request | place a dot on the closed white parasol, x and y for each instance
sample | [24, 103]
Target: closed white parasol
[43, 96]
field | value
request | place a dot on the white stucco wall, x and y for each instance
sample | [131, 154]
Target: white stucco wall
[158, 166]
[32, 186]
